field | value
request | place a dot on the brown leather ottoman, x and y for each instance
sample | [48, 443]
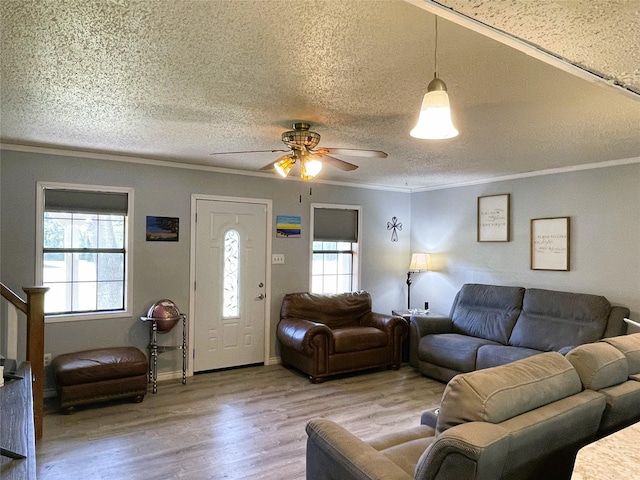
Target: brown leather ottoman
[98, 375]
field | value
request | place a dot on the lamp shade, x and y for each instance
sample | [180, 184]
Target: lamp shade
[309, 168]
[420, 262]
[434, 122]
[284, 165]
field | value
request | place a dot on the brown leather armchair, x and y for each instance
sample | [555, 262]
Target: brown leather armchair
[325, 334]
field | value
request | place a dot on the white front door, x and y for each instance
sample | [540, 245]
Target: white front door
[230, 277]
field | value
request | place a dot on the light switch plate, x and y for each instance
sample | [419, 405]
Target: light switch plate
[277, 258]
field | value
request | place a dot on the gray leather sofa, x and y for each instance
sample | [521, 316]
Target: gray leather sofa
[523, 420]
[490, 325]
[612, 367]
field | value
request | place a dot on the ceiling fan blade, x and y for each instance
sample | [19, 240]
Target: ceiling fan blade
[271, 165]
[337, 163]
[248, 151]
[268, 166]
[353, 152]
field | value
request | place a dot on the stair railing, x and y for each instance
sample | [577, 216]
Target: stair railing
[33, 308]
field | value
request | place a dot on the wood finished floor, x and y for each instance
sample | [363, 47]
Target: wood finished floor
[243, 423]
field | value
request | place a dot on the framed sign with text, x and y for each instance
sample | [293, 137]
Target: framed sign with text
[550, 243]
[493, 218]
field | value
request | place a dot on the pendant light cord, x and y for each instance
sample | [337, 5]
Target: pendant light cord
[435, 50]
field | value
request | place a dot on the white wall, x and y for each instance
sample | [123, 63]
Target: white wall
[604, 206]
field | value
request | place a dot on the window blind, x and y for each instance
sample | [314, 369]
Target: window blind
[85, 201]
[335, 225]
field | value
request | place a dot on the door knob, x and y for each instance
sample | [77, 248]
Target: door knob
[261, 285]
[261, 296]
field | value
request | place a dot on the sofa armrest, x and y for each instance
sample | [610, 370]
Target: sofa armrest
[468, 450]
[387, 323]
[616, 325]
[333, 452]
[419, 326]
[298, 333]
[427, 325]
[430, 417]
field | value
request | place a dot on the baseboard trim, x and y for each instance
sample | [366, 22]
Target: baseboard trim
[169, 375]
[175, 375]
[273, 361]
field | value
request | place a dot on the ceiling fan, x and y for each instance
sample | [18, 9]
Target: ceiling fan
[302, 143]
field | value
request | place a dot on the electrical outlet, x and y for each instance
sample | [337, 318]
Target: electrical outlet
[277, 258]
[47, 359]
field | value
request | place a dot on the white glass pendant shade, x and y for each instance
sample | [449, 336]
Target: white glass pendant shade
[284, 165]
[309, 168]
[434, 122]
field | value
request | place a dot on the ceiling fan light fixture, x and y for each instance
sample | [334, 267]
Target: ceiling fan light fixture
[284, 165]
[309, 168]
[434, 122]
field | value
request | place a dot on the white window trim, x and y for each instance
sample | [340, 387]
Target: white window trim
[74, 317]
[357, 252]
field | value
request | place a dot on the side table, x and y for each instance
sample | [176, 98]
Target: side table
[155, 350]
[407, 314]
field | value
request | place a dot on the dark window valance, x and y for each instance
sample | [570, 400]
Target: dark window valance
[85, 201]
[335, 225]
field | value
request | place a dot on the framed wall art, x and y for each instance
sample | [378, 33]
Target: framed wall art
[162, 229]
[493, 218]
[550, 243]
[288, 226]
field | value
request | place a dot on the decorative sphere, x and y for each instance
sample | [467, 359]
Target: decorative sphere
[165, 313]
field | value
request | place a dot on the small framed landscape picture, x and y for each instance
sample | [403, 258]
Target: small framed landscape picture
[162, 229]
[288, 226]
[550, 243]
[493, 218]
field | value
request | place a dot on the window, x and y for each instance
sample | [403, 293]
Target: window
[84, 249]
[231, 300]
[334, 266]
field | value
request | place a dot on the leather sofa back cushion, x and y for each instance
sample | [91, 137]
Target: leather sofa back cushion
[487, 311]
[599, 365]
[629, 345]
[497, 394]
[335, 311]
[551, 320]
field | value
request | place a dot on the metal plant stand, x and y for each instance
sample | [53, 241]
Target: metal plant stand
[155, 350]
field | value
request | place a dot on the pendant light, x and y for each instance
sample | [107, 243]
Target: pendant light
[434, 122]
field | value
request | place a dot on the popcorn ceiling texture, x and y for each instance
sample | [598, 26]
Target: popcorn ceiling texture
[178, 80]
[602, 36]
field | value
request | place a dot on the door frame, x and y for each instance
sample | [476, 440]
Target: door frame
[192, 270]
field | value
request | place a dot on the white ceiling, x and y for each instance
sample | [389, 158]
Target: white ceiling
[177, 80]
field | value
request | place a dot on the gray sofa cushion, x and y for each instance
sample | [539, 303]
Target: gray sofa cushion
[451, 350]
[493, 355]
[551, 320]
[604, 368]
[599, 365]
[499, 393]
[404, 448]
[629, 345]
[487, 311]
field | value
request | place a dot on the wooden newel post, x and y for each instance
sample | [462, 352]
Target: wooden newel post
[35, 351]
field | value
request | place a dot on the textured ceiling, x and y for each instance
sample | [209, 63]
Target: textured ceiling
[177, 80]
[600, 36]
